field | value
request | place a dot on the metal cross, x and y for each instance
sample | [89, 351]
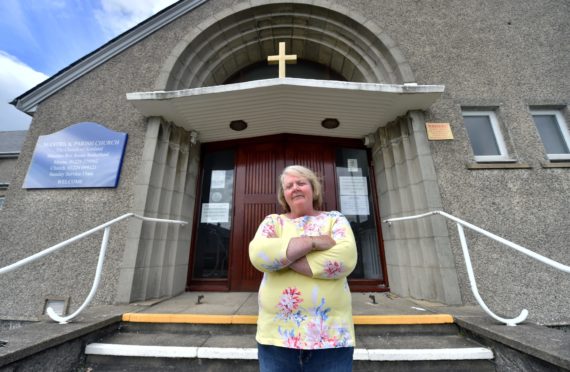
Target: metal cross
[282, 59]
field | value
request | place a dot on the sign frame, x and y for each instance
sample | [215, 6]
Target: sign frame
[82, 155]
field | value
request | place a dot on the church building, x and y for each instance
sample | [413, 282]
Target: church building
[400, 107]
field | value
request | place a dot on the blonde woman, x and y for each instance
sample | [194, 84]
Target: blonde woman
[305, 312]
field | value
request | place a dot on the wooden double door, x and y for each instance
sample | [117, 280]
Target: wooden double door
[257, 166]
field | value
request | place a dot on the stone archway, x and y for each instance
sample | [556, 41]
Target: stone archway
[227, 43]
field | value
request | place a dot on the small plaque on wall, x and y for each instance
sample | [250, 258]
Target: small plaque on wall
[83, 155]
[439, 131]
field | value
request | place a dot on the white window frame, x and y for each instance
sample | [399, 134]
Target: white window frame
[563, 129]
[503, 156]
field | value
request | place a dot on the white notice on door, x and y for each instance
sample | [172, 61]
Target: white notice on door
[218, 179]
[353, 186]
[215, 212]
[352, 165]
[354, 205]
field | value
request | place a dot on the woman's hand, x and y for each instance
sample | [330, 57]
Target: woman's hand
[322, 243]
[302, 267]
[301, 246]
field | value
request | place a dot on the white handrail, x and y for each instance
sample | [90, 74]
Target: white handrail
[460, 224]
[107, 227]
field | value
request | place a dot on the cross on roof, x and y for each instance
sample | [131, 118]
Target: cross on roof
[282, 59]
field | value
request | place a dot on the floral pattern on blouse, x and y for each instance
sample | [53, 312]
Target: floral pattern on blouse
[311, 323]
[289, 306]
[276, 264]
[268, 229]
[333, 269]
[297, 311]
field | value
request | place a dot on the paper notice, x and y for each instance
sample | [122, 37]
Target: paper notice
[353, 186]
[354, 205]
[215, 212]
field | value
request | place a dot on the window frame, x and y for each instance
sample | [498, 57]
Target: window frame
[504, 155]
[562, 125]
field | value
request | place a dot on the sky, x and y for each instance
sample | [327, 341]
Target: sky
[38, 38]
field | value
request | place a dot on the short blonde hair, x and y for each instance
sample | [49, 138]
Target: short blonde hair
[300, 171]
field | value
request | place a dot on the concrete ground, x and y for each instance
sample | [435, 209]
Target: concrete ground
[245, 303]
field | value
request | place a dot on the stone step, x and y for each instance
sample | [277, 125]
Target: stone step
[219, 347]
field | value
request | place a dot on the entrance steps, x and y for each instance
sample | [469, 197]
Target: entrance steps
[164, 335]
[176, 342]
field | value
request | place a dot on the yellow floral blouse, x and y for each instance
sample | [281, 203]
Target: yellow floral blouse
[296, 311]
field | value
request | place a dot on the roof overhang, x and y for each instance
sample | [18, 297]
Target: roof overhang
[286, 105]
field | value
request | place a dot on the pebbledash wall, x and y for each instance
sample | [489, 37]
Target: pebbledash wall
[505, 56]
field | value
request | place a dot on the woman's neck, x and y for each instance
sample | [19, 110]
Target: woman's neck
[299, 213]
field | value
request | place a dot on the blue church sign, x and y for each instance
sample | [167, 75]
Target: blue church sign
[79, 156]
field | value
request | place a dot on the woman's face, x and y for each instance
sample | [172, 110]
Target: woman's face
[298, 193]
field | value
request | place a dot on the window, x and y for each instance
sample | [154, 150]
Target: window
[485, 136]
[357, 204]
[553, 132]
[213, 236]
[1, 202]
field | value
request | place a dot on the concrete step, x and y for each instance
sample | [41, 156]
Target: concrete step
[151, 347]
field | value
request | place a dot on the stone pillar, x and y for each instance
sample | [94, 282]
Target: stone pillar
[155, 261]
[419, 258]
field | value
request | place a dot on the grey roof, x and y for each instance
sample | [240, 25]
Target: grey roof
[28, 101]
[11, 142]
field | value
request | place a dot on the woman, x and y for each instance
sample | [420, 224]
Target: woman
[305, 310]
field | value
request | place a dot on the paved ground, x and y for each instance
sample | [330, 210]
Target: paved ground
[245, 303]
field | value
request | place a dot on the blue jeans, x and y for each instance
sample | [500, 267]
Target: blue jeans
[282, 359]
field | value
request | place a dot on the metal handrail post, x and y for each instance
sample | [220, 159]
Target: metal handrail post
[460, 224]
[510, 322]
[526, 251]
[58, 246]
[64, 320]
[107, 227]
[54, 248]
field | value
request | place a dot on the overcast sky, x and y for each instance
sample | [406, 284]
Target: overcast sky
[38, 38]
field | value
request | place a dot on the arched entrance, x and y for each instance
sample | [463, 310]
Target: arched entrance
[329, 45]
